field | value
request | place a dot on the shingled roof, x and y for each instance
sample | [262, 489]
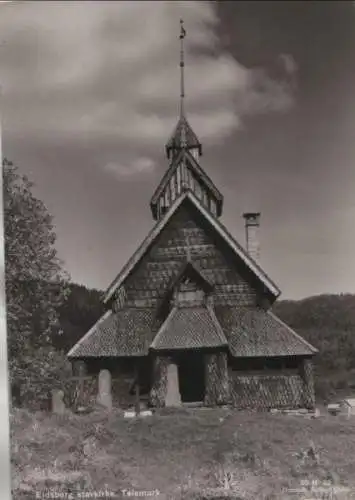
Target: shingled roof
[247, 331]
[127, 332]
[253, 332]
[183, 133]
[190, 328]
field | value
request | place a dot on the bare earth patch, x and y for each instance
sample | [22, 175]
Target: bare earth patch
[190, 454]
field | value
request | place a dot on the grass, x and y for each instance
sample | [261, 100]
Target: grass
[184, 454]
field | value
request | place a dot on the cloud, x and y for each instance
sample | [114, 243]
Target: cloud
[289, 64]
[111, 70]
[139, 166]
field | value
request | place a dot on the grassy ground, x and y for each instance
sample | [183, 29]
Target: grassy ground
[181, 454]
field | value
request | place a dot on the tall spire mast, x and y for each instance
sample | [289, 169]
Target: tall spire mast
[182, 67]
[183, 137]
[182, 81]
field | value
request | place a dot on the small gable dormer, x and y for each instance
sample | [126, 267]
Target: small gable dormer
[190, 288]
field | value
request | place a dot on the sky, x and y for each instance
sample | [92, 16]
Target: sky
[90, 94]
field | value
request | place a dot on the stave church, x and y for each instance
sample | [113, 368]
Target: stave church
[188, 319]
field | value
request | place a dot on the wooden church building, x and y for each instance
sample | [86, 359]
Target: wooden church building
[192, 307]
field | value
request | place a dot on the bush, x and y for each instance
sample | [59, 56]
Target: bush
[45, 371]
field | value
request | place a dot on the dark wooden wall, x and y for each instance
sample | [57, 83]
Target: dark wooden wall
[150, 279]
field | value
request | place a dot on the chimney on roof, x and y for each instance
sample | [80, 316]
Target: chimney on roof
[252, 224]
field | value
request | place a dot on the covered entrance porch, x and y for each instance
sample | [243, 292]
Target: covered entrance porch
[190, 377]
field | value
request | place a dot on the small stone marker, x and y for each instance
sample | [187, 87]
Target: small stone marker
[146, 413]
[173, 397]
[129, 414]
[133, 414]
[104, 397]
[58, 405]
[316, 413]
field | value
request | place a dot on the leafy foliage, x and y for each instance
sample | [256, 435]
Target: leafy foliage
[81, 309]
[35, 285]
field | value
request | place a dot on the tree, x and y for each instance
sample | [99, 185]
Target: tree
[36, 285]
[78, 314]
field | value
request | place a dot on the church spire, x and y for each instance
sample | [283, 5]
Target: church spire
[182, 68]
[183, 137]
[184, 173]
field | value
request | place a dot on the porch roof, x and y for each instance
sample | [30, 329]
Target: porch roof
[189, 328]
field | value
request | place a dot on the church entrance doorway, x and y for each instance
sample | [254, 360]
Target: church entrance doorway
[191, 373]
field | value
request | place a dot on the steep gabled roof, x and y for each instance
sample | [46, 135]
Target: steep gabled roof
[253, 332]
[189, 328]
[218, 227]
[183, 133]
[197, 170]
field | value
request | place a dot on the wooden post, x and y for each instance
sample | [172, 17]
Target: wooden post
[306, 372]
[138, 408]
[80, 375]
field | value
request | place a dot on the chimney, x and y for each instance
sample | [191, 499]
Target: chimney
[252, 224]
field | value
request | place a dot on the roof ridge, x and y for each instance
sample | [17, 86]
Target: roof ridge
[163, 326]
[217, 324]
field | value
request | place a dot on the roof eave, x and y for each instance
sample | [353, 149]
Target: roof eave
[313, 349]
[195, 348]
[71, 352]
